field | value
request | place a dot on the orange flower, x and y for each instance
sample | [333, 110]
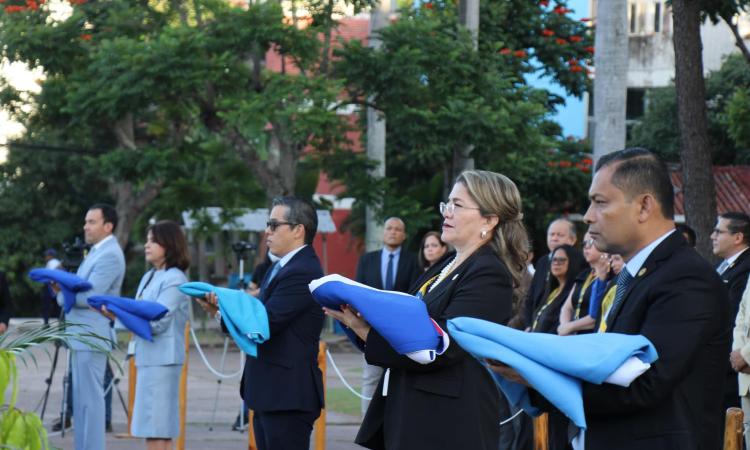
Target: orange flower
[561, 10]
[589, 49]
[575, 39]
[86, 37]
[572, 62]
[519, 53]
[32, 5]
[547, 32]
[551, 164]
[565, 164]
[14, 9]
[560, 41]
[505, 51]
[576, 69]
[587, 161]
[428, 5]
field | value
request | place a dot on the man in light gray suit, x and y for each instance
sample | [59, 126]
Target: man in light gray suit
[104, 268]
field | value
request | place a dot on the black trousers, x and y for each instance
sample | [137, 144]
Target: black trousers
[283, 430]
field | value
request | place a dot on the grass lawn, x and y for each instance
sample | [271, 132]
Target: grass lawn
[341, 400]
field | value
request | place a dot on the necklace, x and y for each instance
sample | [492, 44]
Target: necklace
[443, 273]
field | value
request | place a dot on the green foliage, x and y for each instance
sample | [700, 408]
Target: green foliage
[658, 128]
[738, 118]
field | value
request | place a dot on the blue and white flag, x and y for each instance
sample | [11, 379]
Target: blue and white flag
[401, 319]
[135, 315]
[244, 315]
[69, 283]
[555, 366]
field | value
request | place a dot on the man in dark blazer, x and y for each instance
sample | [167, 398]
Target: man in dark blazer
[283, 384]
[391, 268]
[667, 293]
[730, 240]
[6, 306]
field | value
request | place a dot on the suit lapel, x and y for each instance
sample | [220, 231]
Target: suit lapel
[376, 259]
[662, 251]
[282, 270]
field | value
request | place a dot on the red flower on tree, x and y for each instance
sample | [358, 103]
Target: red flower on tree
[585, 19]
[575, 38]
[544, 3]
[560, 41]
[565, 164]
[572, 62]
[547, 32]
[589, 49]
[10, 9]
[86, 36]
[576, 69]
[32, 5]
[77, 2]
[505, 51]
[561, 10]
[519, 53]
[428, 5]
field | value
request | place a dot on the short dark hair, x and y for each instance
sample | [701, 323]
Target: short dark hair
[422, 261]
[688, 232]
[738, 222]
[169, 235]
[300, 212]
[637, 171]
[108, 213]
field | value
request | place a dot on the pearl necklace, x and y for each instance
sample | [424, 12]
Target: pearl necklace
[443, 273]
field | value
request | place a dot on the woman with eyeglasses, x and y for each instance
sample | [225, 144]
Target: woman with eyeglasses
[432, 250]
[452, 402]
[590, 285]
[565, 264]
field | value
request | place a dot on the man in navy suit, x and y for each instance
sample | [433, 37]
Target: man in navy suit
[392, 268]
[283, 384]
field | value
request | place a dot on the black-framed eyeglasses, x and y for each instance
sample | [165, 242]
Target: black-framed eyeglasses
[718, 231]
[559, 260]
[274, 224]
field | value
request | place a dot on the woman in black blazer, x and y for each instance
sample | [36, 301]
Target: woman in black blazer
[453, 402]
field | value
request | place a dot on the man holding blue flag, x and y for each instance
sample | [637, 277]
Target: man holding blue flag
[104, 268]
[283, 384]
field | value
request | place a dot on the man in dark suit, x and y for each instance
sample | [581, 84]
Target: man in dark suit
[667, 293]
[730, 240]
[283, 384]
[392, 268]
[560, 231]
[6, 306]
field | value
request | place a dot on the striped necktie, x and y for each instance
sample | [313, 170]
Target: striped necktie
[623, 280]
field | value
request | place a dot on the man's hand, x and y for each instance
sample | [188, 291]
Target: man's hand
[737, 361]
[209, 303]
[506, 372]
[106, 313]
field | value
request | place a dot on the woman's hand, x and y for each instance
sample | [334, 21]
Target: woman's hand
[350, 318]
[106, 313]
[737, 361]
[209, 303]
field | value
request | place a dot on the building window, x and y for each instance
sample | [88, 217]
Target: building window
[635, 104]
[657, 17]
[633, 17]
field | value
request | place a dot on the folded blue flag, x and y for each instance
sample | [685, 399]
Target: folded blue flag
[244, 315]
[555, 365]
[135, 315]
[401, 319]
[69, 284]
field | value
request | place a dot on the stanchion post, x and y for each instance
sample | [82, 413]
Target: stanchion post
[180, 444]
[320, 424]
[132, 375]
[541, 432]
[733, 429]
[250, 432]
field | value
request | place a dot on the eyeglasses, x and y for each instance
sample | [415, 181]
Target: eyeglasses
[718, 231]
[274, 224]
[450, 208]
[559, 260]
[588, 243]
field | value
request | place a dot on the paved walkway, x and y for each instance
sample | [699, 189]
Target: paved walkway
[203, 393]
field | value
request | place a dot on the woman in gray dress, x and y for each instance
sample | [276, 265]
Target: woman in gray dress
[156, 410]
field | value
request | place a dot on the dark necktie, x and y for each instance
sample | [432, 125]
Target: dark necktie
[623, 280]
[389, 273]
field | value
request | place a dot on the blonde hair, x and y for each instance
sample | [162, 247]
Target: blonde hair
[497, 195]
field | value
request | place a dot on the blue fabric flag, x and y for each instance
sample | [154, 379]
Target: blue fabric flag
[135, 315]
[401, 319]
[69, 284]
[244, 315]
[554, 365]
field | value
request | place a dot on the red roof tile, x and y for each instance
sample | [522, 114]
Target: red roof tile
[732, 188]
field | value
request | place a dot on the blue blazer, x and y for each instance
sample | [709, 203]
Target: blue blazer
[104, 268]
[168, 347]
[285, 375]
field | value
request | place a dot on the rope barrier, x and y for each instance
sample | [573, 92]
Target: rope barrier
[341, 377]
[207, 364]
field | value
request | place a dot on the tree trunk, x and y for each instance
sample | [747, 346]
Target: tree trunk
[611, 80]
[376, 133]
[697, 175]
